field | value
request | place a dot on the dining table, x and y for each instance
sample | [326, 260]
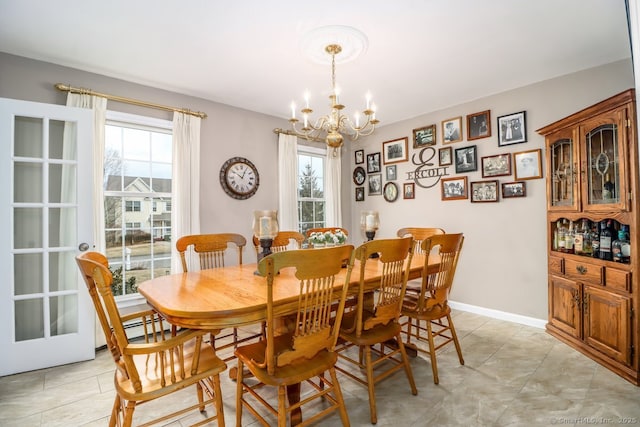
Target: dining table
[234, 296]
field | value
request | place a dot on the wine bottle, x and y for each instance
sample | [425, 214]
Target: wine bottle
[561, 236]
[569, 239]
[620, 248]
[609, 191]
[595, 241]
[606, 238]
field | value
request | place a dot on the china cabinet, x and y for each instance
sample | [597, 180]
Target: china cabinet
[592, 184]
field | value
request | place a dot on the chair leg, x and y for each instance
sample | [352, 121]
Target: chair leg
[432, 353]
[218, 400]
[239, 391]
[128, 414]
[371, 385]
[115, 412]
[282, 407]
[455, 339]
[340, 398]
[407, 365]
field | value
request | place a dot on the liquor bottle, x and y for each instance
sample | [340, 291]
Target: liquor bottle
[595, 241]
[587, 243]
[609, 191]
[569, 239]
[578, 239]
[561, 236]
[621, 247]
[556, 235]
[606, 238]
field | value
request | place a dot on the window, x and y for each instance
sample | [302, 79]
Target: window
[311, 199]
[137, 183]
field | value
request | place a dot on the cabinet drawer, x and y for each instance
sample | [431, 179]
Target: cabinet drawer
[584, 271]
[617, 279]
[555, 265]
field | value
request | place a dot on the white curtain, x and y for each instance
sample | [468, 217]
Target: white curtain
[288, 182]
[333, 184]
[185, 181]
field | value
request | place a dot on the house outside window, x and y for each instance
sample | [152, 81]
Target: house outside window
[137, 185]
[311, 191]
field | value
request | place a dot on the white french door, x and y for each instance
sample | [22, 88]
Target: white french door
[45, 173]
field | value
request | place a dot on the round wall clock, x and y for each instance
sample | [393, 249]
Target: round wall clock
[390, 192]
[239, 178]
[359, 175]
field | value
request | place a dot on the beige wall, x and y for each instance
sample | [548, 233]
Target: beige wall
[503, 266]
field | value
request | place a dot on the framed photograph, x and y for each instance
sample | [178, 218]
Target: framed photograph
[392, 173]
[445, 158]
[375, 184]
[391, 191]
[452, 130]
[396, 151]
[359, 194]
[409, 190]
[454, 188]
[359, 175]
[514, 189]
[512, 129]
[373, 162]
[484, 191]
[528, 164]
[498, 165]
[359, 157]
[479, 125]
[424, 136]
[466, 159]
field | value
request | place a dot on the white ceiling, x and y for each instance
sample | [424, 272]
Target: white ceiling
[422, 56]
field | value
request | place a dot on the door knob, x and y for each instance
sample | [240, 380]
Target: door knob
[83, 247]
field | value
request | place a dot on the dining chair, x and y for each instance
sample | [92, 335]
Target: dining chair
[305, 351]
[210, 250]
[428, 311]
[325, 229]
[159, 366]
[375, 318]
[283, 241]
[418, 234]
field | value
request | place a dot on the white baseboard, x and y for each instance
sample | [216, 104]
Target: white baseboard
[497, 314]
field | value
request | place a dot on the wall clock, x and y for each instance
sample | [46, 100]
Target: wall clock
[359, 175]
[390, 192]
[239, 178]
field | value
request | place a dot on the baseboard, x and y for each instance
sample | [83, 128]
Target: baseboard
[497, 314]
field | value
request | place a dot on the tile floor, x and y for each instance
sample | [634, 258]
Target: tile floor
[514, 375]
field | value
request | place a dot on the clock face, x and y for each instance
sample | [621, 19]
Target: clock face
[239, 178]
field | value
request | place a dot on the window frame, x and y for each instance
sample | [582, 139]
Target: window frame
[307, 150]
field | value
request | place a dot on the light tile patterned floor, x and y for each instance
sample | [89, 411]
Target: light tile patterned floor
[513, 375]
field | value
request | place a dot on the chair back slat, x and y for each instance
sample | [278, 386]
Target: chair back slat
[209, 248]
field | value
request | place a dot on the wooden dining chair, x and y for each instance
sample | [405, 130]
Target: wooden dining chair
[210, 250]
[418, 234]
[283, 241]
[305, 351]
[159, 366]
[428, 312]
[375, 319]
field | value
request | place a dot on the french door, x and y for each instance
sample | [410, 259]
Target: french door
[45, 174]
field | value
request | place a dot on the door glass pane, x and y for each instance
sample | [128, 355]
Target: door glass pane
[28, 137]
[62, 183]
[29, 319]
[62, 230]
[63, 314]
[562, 170]
[56, 140]
[27, 232]
[603, 178]
[62, 271]
[27, 182]
[27, 270]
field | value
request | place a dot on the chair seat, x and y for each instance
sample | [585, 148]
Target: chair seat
[149, 370]
[375, 335]
[253, 355]
[432, 309]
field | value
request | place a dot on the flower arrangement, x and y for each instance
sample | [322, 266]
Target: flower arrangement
[318, 238]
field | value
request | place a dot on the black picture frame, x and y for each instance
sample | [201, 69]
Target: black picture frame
[359, 194]
[373, 162]
[359, 175]
[359, 157]
[484, 191]
[391, 172]
[466, 159]
[512, 129]
[375, 184]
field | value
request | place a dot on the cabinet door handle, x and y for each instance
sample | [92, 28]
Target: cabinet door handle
[580, 269]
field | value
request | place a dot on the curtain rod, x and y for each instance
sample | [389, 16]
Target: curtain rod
[67, 88]
[289, 132]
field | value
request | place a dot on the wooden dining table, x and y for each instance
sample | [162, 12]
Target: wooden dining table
[233, 296]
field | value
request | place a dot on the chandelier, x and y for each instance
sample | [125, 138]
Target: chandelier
[334, 124]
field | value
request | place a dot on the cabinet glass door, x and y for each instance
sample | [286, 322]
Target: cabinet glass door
[562, 166]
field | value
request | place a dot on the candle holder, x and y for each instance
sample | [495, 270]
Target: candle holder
[369, 222]
[265, 228]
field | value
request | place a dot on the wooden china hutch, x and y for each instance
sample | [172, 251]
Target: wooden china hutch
[592, 230]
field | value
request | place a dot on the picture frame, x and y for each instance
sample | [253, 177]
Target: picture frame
[514, 189]
[452, 130]
[391, 192]
[445, 156]
[375, 184]
[396, 150]
[466, 159]
[497, 165]
[528, 164]
[409, 190]
[359, 194]
[454, 188]
[359, 157]
[373, 162]
[359, 175]
[484, 191]
[479, 125]
[391, 173]
[512, 129]
[424, 136]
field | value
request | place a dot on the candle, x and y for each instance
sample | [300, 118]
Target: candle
[265, 227]
[306, 99]
[368, 100]
[293, 110]
[306, 119]
[357, 114]
[369, 222]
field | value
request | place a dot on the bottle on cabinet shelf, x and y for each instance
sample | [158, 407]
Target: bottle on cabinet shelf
[609, 189]
[569, 238]
[561, 236]
[621, 247]
[595, 241]
[582, 242]
[606, 239]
